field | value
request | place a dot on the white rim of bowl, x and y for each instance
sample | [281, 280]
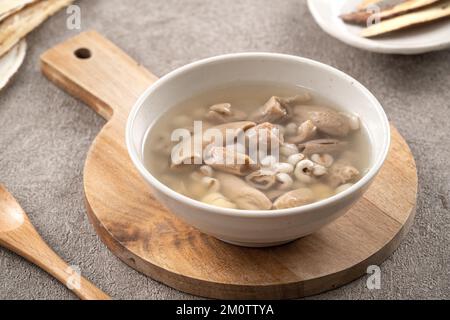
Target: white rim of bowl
[367, 178]
[372, 45]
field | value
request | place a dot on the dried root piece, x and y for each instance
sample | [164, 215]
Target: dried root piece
[366, 3]
[398, 7]
[387, 9]
[432, 13]
[11, 62]
[9, 7]
[17, 26]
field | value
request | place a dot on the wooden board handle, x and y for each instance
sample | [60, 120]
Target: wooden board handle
[94, 70]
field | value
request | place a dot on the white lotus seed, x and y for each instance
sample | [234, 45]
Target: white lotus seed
[325, 159]
[288, 149]
[319, 170]
[296, 158]
[303, 171]
[283, 167]
[285, 180]
[206, 171]
[269, 161]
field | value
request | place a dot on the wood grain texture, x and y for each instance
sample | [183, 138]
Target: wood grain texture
[150, 239]
[18, 235]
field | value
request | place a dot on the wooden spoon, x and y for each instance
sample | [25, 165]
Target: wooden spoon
[18, 235]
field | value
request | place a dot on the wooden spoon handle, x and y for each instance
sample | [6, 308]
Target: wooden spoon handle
[26, 242]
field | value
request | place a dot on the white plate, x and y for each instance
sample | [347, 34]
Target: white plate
[420, 39]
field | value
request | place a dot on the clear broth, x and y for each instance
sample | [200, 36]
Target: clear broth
[247, 97]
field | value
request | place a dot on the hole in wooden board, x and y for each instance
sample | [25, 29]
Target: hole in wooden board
[83, 53]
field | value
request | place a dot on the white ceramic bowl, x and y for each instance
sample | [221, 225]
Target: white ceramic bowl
[258, 228]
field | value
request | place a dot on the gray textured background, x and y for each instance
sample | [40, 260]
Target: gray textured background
[45, 135]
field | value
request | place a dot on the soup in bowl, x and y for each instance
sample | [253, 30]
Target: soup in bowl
[258, 149]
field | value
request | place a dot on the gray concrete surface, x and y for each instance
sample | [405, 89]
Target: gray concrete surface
[45, 135]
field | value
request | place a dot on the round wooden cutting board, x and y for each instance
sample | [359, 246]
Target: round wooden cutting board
[137, 229]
